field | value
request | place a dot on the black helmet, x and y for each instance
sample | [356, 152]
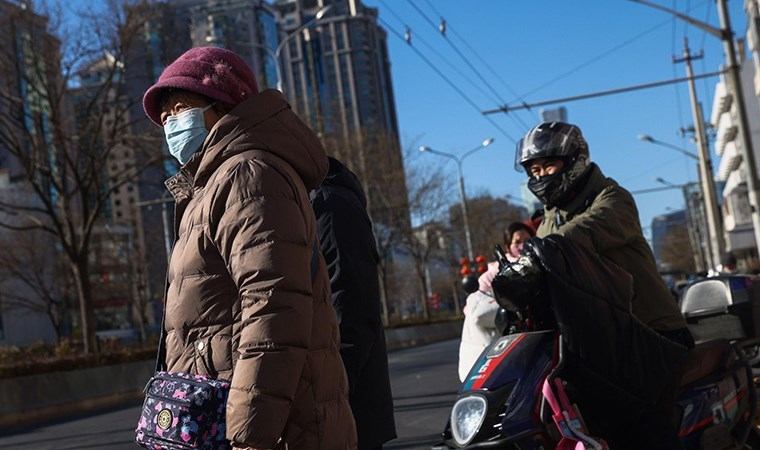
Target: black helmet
[554, 140]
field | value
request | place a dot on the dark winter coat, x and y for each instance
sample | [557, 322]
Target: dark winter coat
[348, 246]
[241, 303]
[603, 218]
[612, 361]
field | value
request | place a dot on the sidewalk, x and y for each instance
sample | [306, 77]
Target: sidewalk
[37, 398]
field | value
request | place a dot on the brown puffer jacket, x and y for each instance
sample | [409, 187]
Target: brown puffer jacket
[241, 303]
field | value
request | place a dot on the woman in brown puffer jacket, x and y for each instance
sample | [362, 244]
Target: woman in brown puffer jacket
[242, 304]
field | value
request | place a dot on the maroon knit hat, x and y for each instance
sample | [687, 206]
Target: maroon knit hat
[211, 71]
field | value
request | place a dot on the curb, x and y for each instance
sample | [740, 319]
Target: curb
[397, 338]
[49, 396]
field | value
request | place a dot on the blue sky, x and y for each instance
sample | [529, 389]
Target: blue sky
[538, 51]
[549, 50]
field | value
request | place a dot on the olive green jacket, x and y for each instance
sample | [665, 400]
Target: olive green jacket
[603, 217]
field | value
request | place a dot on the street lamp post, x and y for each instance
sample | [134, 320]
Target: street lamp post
[707, 189]
[725, 34]
[650, 139]
[462, 197]
[164, 219]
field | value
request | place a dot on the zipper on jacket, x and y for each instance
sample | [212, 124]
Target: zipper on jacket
[558, 219]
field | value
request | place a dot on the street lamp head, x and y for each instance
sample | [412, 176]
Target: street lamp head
[666, 182]
[424, 148]
[487, 142]
[324, 10]
[646, 137]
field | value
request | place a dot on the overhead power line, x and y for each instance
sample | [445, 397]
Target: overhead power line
[594, 59]
[507, 108]
[466, 61]
[412, 38]
[482, 60]
[663, 188]
[447, 80]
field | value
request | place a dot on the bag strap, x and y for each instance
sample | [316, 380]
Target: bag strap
[161, 354]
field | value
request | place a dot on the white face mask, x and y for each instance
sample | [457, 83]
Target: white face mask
[185, 133]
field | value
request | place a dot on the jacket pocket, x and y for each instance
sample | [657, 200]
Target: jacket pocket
[221, 353]
[202, 357]
[213, 354]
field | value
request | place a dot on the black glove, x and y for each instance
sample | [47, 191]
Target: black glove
[518, 284]
[470, 283]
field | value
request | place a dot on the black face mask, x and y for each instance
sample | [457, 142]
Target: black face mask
[546, 188]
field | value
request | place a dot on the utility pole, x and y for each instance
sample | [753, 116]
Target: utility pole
[714, 228]
[694, 208]
[726, 35]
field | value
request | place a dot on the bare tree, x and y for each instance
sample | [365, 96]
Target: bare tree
[430, 194]
[492, 216]
[676, 251]
[40, 283]
[63, 128]
[373, 155]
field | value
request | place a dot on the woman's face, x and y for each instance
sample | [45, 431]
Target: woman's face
[179, 101]
[518, 239]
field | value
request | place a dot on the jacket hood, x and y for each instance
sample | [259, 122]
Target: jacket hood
[339, 175]
[269, 124]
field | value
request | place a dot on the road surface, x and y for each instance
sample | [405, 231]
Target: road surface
[424, 381]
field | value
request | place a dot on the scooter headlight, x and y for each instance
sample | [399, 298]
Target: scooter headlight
[466, 418]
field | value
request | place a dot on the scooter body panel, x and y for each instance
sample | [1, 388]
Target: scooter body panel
[723, 398]
[510, 372]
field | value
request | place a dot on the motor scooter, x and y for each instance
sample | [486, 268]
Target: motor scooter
[526, 391]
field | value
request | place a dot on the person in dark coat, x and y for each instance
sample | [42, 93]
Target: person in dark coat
[348, 245]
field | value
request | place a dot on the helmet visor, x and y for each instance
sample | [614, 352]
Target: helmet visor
[542, 142]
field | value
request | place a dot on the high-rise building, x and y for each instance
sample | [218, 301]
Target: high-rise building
[125, 291]
[335, 73]
[22, 316]
[338, 79]
[341, 65]
[247, 27]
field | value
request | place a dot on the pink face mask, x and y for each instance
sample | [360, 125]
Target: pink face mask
[516, 248]
[518, 240]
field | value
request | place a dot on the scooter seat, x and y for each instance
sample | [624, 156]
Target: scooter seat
[705, 358]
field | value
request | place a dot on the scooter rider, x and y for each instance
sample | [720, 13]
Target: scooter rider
[582, 204]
